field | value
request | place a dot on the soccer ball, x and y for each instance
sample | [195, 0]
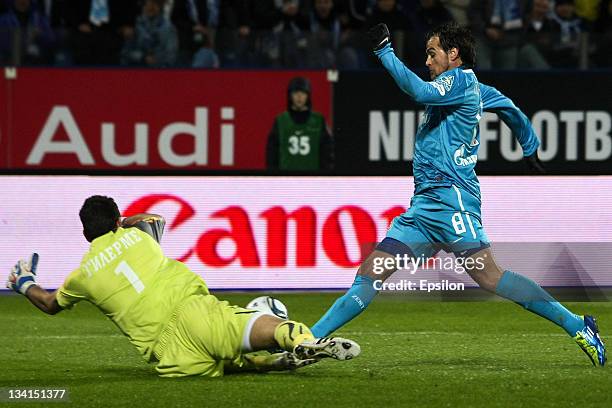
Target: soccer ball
[269, 305]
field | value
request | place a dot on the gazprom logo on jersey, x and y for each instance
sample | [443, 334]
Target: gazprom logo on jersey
[461, 159]
[443, 84]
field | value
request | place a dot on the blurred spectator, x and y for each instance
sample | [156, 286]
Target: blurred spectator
[427, 15]
[325, 38]
[588, 10]
[459, 10]
[326, 47]
[537, 37]
[233, 30]
[289, 35]
[57, 13]
[497, 26]
[390, 13]
[205, 56]
[299, 139]
[274, 29]
[194, 20]
[303, 33]
[155, 42]
[99, 28]
[266, 14]
[277, 32]
[26, 37]
[603, 35]
[353, 13]
[566, 27]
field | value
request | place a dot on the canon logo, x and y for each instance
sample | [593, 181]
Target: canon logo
[61, 116]
[310, 230]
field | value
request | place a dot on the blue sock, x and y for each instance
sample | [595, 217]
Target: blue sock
[353, 302]
[532, 297]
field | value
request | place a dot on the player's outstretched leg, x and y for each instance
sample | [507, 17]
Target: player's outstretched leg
[355, 300]
[296, 337]
[532, 297]
[527, 293]
[346, 307]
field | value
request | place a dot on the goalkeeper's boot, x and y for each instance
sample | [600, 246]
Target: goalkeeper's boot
[589, 341]
[328, 347]
[276, 362]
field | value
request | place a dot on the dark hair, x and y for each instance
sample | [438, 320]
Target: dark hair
[99, 216]
[299, 84]
[452, 35]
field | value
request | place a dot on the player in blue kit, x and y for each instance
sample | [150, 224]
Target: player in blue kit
[444, 212]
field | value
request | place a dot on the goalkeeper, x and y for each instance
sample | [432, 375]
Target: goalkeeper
[164, 308]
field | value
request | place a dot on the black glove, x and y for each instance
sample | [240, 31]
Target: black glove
[534, 164]
[379, 36]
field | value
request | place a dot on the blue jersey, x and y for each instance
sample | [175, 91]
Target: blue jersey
[519, 124]
[447, 141]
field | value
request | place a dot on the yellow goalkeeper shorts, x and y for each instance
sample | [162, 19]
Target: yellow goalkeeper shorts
[202, 336]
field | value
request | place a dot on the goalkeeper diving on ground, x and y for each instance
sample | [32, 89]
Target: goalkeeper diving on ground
[165, 309]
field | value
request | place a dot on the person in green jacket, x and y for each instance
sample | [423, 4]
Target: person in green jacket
[299, 139]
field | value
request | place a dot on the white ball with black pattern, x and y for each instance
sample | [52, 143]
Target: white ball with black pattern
[270, 306]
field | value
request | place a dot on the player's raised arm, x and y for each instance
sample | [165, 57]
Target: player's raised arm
[22, 279]
[494, 101]
[437, 92]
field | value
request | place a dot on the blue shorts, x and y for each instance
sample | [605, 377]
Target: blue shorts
[439, 218]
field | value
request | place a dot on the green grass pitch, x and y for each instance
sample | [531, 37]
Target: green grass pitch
[415, 354]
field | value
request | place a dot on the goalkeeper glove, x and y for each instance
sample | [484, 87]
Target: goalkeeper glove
[379, 36]
[534, 164]
[23, 275]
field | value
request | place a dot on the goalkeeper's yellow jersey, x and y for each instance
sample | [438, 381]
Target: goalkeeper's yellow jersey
[126, 275]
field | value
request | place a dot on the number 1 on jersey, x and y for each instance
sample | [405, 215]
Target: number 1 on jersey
[131, 276]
